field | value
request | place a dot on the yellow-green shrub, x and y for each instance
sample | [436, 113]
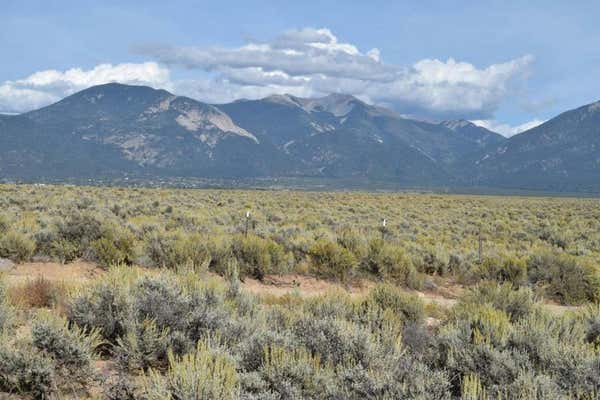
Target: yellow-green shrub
[504, 269]
[116, 246]
[332, 260]
[202, 375]
[566, 278]
[16, 246]
[257, 256]
[391, 262]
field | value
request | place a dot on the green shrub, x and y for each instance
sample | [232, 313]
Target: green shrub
[4, 223]
[332, 260]
[516, 303]
[391, 263]
[408, 378]
[250, 351]
[335, 341]
[475, 342]
[194, 315]
[7, 314]
[432, 261]
[207, 314]
[472, 389]
[220, 253]
[206, 374]
[258, 257]
[103, 307]
[160, 300]
[566, 279]
[557, 346]
[529, 385]
[72, 349]
[292, 374]
[177, 249]
[116, 246]
[481, 324]
[16, 246]
[121, 388]
[408, 306]
[80, 229]
[504, 269]
[64, 250]
[591, 319]
[354, 241]
[26, 372]
[555, 237]
[459, 265]
[144, 346]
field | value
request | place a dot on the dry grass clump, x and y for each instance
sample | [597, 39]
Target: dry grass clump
[37, 293]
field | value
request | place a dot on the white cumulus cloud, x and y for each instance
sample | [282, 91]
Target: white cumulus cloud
[303, 62]
[316, 62]
[45, 87]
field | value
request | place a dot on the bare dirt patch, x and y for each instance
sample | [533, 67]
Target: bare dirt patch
[435, 298]
[559, 308]
[77, 272]
[445, 294]
[306, 286]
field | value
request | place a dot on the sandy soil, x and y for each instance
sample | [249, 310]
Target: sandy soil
[79, 272]
[436, 298]
[306, 286]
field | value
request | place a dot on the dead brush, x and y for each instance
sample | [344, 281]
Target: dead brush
[37, 293]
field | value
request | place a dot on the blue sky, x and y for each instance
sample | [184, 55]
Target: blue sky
[501, 63]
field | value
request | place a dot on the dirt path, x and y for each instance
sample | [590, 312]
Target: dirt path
[307, 286]
[273, 285]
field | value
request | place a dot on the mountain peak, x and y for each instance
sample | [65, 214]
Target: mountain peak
[116, 86]
[594, 107]
[339, 97]
[114, 95]
[457, 124]
[338, 104]
[475, 133]
[285, 99]
[114, 129]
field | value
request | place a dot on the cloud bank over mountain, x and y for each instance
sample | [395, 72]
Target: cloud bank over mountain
[304, 62]
[48, 86]
[313, 62]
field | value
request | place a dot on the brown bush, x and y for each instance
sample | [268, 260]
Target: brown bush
[37, 293]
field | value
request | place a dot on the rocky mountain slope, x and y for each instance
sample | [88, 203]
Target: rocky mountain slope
[481, 136]
[116, 130]
[562, 154]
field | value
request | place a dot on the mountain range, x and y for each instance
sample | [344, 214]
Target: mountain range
[114, 130]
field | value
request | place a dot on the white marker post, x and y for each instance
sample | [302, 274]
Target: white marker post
[247, 222]
[383, 228]
[480, 239]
